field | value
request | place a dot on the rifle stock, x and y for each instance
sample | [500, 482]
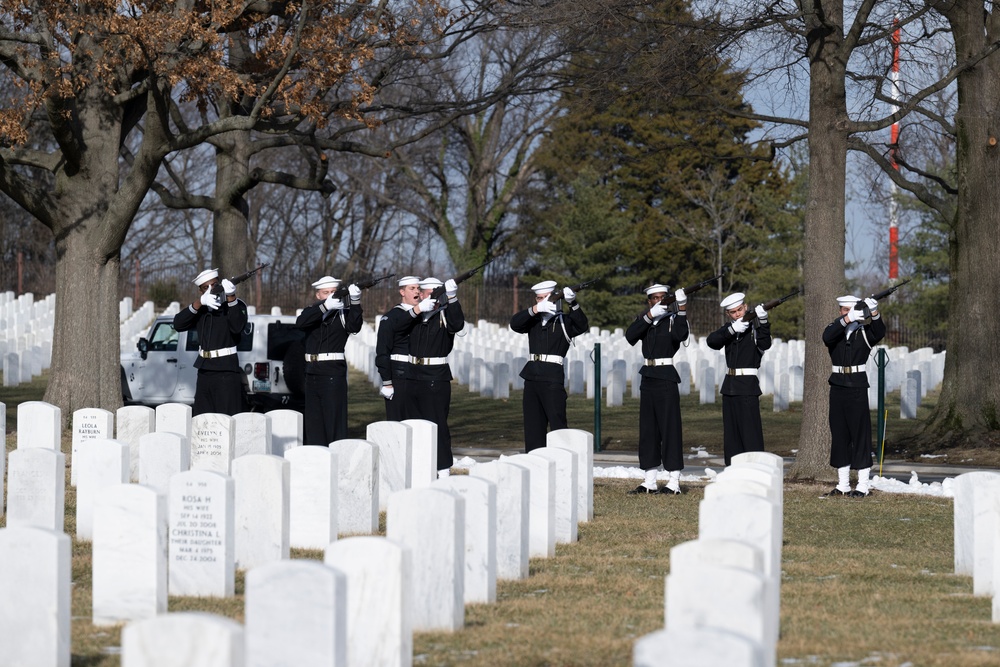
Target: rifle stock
[217, 288]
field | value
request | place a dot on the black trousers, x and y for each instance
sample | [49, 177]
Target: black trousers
[431, 400]
[850, 428]
[741, 427]
[396, 410]
[325, 418]
[543, 405]
[218, 391]
[660, 438]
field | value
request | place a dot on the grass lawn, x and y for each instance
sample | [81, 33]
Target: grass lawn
[864, 581]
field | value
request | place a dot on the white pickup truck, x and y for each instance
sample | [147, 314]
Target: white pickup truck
[271, 354]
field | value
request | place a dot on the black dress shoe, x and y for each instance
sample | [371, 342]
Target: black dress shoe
[670, 492]
[860, 494]
[641, 490]
[837, 493]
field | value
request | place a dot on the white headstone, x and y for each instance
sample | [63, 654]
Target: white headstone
[357, 486]
[39, 425]
[541, 503]
[512, 516]
[312, 497]
[296, 614]
[212, 442]
[90, 424]
[582, 443]
[184, 639]
[424, 463]
[964, 489]
[379, 615]
[261, 511]
[431, 523]
[174, 418]
[286, 430]
[480, 496]
[395, 453]
[36, 488]
[252, 434]
[767, 458]
[99, 463]
[566, 495]
[200, 510]
[35, 570]
[985, 525]
[701, 647]
[131, 423]
[162, 454]
[129, 554]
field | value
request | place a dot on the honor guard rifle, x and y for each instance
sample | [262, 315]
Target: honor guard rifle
[219, 291]
[558, 294]
[671, 298]
[751, 313]
[342, 292]
[438, 294]
[878, 296]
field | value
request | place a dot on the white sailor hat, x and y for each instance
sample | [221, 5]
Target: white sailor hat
[847, 301]
[327, 282]
[205, 276]
[657, 288]
[408, 280]
[734, 300]
[430, 283]
[544, 287]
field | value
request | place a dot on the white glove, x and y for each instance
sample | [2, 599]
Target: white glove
[855, 315]
[209, 300]
[451, 288]
[657, 311]
[739, 326]
[355, 293]
[332, 303]
[872, 304]
[569, 295]
[228, 286]
[427, 305]
[545, 306]
[682, 297]
[387, 391]
[761, 313]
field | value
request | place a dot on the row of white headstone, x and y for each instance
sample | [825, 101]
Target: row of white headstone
[722, 600]
[977, 533]
[447, 543]
[25, 336]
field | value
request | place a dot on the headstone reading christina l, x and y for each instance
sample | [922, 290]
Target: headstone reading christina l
[296, 614]
[35, 605]
[200, 510]
[129, 554]
[379, 615]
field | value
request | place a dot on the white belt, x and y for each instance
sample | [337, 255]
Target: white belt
[400, 357]
[428, 361]
[548, 358]
[326, 356]
[221, 352]
[849, 369]
[666, 361]
[741, 371]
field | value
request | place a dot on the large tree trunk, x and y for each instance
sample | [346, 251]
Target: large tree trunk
[823, 270]
[968, 411]
[230, 238]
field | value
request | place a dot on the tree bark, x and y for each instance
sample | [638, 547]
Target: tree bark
[825, 235]
[230, 239]
[968, 411]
